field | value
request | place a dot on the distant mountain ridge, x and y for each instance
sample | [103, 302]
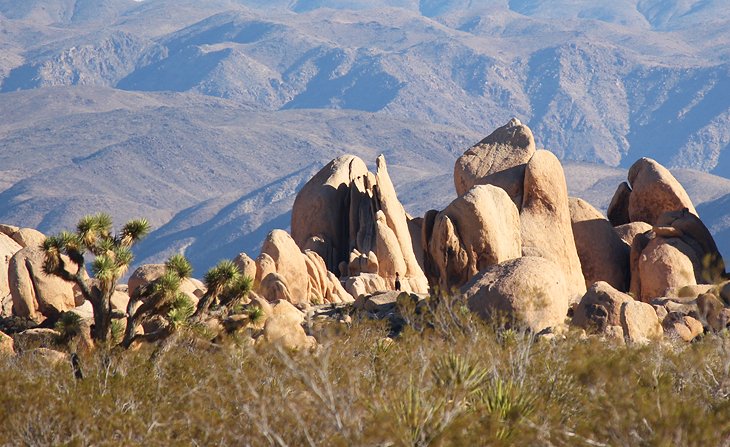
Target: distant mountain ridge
[180, 109]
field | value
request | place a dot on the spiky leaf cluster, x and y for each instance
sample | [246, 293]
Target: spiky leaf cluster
[181, 309]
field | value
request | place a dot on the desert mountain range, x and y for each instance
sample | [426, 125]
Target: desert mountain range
[207, 117]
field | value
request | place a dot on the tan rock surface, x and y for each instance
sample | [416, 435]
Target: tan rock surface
[665, 264]
[477, 230]
[640, 322]
[320, 204]
[627, 232]
[545, 220]
[290, 264]
[35, 294]
[8, 248]
[530, 291]
[499, 159]
[600, 307]
[654, 192]
[603, 255]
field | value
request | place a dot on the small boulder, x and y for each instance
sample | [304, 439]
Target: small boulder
[284, 327]
[629, 231]
[640, 322]
[35, 338]
[528, 291]
[600, 307]
[682, 326]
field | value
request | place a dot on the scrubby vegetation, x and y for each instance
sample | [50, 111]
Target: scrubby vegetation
[446, 379]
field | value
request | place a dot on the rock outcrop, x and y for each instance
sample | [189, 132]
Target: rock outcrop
[528, 291]
[345, 212]
[499, 159]
[477, 230]
[603, 255]
[8, 248]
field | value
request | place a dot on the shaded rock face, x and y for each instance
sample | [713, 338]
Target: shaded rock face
[529, 291]
[499, 159]
[477, 230]
[603, 255]
[35, 294]
[627, 232]
[545, 220]
[345, 212]
[650, 192]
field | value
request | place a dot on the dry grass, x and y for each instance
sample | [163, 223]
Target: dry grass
[448, 379]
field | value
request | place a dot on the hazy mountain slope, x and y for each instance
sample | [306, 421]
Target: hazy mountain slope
[596, 81]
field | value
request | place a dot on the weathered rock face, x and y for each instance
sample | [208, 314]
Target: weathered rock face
[35, 294]
[365, 284]
[545, 220]
[29, 237]
[603, 255]
[246, 265]
[498, 160]
[690, 229]
[530, 291]
[290, 264]
[477, 230]
[654, 191]
[8, 248]
[600, 307]
[345, 211]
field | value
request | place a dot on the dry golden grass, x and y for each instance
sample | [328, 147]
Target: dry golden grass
[448, 379]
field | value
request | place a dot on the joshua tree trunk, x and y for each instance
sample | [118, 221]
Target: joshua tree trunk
[102, 306]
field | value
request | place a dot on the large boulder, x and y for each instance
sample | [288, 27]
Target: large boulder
[321, 206]
[603, 255]
[397, 220]
[654, 191]
[477, 230]
[290, 264]
[365, 284]
[29, 237]
[35, 294]
[8, 248]
[528, 291]
[499, 159]
[284, 327]
[246, 265]
[665, 263]
[693, 232]
[545, 220]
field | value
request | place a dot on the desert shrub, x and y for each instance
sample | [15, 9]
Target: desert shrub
[452, 380]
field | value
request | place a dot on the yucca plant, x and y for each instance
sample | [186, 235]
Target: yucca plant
[112, 257]
[225, 284]
[161, 297]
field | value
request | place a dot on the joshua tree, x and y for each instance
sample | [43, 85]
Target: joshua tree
[161, 297]
[226, 284]
[112, 256]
